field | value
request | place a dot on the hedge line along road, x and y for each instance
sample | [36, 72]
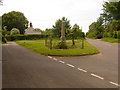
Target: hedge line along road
[23, 68]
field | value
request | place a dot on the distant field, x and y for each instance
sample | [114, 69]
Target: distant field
[39, 46]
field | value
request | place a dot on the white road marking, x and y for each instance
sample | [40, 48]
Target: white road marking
[82, 70]
[114, 83]
[70, 65]
[85, 71]
[55, 59]
[97, 76]
[49, 57]
[61, 62]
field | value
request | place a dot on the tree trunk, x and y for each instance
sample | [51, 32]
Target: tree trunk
[73, 42]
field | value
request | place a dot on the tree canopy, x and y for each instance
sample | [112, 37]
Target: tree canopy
[108, 23]
[111, 11]
[58, 24]
[15, 19]
[75, 33]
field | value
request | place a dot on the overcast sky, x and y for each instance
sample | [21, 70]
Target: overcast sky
[44, 13]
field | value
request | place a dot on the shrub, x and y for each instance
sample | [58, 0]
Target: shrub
[92, 35]
[116, 34]
[61, 45]
[106, 34]
[24, 37]
[14, 31]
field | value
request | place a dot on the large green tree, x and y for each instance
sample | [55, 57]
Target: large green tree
[58, 24]
[15, 19]
[75, 33]
[111, 11]
[96, 28]
[108, 23]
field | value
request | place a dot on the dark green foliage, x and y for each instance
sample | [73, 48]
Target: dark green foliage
[96, 29]
[75, 33]
[108, 23]
[61, 45]
[106, 34]
[116, 34]
[24, 37]
[58, 24]
[111, 11]
[48, 32]
[14, 20]
[92, 35]
[115, 26]
[5, 32]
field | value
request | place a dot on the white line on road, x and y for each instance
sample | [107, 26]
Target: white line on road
[70, 65]
[49, 57]
[114, 83]
[61, 62]
[82, 70]
[97, 76]
[55, 59]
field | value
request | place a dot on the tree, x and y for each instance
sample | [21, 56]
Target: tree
[114, 26]
[14, 31]
[111, 11]
[96, 28]
[38, 30]
[15, 20]
[58, 24]
[74, 33]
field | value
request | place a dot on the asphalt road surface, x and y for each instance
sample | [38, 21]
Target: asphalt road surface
[23, 68]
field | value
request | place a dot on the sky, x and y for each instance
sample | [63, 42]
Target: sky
[44, 13]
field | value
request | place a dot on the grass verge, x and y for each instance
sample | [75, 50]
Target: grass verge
[38, 46]
[111, 40]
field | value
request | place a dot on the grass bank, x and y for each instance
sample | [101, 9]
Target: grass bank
[111, 40]
[39, 46]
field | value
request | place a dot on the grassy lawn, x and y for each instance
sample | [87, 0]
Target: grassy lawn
[2, 42]
[38, 46]
[111, 40]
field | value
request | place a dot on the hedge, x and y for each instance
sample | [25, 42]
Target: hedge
[106, 34]
[116, 34]
[24, 37]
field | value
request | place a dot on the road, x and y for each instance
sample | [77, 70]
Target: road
[23, 68]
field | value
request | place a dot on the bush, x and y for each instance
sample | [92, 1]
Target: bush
[92, 35]
[116, 34]
[61, 45]
[24, 37]
[14, 31]
[106, 34]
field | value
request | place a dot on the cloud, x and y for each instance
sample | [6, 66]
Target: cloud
[44, 13]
